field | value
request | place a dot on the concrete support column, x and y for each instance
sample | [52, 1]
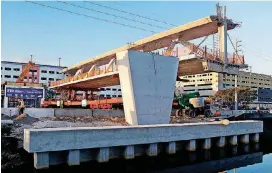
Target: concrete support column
[191, 146]
[223, 42]
[103, 155]
[233, 140]
[206, 145]
[152, 150]
[234, 150]
[207, 154]
[192, 156]
[246, 148]
[222, 152]
[5, 102]
[147, 82]
[244, 139]
[41, 160]
[129, 152]
[73, 157]
[171, 148]
[257, 147]
[255, 138]
[221, 142]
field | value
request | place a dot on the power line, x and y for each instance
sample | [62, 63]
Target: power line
[109, 14]
[79, 14]
[258, 55]
[129, 13]
[123, 5]
[260, 51]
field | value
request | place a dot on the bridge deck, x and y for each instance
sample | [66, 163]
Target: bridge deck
[196, 29]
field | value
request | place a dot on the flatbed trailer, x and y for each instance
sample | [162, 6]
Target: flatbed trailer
[107, 103]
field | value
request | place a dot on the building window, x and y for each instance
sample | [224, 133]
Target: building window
[33, 71]
[58, 79]
[51, 72]
[107, 95]
[7, 76]
[119, 95]
[119, 89]
[16, 69]
[113, 95]
[102, 89]
[102, 95]
[113, 89]
[57, 72]
[108, 89]
[44, 71]
[43, 78]
[205, 89]
[51, 79]
[7, 68]
[15, 77]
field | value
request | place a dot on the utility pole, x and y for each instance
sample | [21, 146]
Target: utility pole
[59, 61]
[237, 45]
[235, 95]
[235, 58]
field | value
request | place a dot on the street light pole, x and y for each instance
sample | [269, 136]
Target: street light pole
[235, 95]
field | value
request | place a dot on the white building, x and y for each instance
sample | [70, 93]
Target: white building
[10, 71]
[209, 83]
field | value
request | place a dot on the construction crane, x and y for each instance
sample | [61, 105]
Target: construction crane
[25, 71]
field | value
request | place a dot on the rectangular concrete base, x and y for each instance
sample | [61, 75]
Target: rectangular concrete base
[73, 157]
[41, 160]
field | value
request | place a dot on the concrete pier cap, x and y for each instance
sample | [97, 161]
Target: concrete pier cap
[147, 81]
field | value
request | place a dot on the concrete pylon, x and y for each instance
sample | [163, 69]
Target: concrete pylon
[223, 42]
[148, 82]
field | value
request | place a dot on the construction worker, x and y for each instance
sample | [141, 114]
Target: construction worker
[21, 106]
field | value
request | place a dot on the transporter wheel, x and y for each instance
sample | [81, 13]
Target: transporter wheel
[179, 113]
[192, 113]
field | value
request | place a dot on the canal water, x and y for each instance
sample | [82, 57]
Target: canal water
[241, 159]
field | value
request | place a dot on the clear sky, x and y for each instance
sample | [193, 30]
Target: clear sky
[48, 34]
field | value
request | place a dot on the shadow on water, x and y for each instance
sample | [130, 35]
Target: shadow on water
[212, 161]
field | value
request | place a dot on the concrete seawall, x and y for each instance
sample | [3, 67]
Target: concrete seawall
[49, 112]
[75, 145]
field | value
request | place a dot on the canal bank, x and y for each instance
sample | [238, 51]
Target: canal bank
[246, 158]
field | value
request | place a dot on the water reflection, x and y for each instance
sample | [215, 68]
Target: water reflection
[204, 161]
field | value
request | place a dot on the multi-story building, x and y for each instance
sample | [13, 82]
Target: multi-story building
[32, 95]
[208, 83]
[40, 73]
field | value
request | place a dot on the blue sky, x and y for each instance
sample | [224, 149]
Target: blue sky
[48, 34]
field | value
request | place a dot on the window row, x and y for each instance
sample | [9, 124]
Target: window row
[50, 72]
[108, 95]
[109, 89]
[43, 78]
[18, 69]
[9, 69]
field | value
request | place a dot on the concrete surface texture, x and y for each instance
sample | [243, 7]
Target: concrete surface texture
[147, 81]
[59, 139]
